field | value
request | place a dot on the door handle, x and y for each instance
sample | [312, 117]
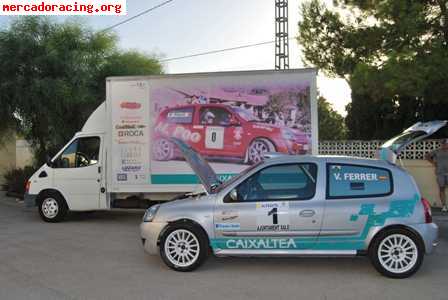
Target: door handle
[307, 213]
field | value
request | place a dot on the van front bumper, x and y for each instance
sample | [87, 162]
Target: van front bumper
[30, 200]
[150, 234]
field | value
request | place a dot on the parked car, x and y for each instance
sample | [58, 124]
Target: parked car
[290, 205]
[223, 132]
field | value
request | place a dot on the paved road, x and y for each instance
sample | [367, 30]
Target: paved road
[99, 256]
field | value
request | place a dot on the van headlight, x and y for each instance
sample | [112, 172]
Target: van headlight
[151, 213]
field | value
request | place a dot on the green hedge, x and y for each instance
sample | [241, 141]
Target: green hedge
[16, 179]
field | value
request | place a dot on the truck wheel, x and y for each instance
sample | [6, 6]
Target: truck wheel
[397, 253]
[163, 150]
[183, 247]
[52, 207]
[257, 149]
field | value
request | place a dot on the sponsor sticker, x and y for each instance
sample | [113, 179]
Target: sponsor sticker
[263, 243]
[122, 177]
[131, 168]
[227, 226]
[130, 105]
[272, 216]
[228, 215]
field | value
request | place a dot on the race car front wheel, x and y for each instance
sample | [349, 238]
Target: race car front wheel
[183, 247]
[397, 253]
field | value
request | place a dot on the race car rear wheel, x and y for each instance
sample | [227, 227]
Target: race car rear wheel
[257, 149]
[163, 150]
[397, 253]
[183, 247]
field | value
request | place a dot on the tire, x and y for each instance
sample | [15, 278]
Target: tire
[397, 253]
[257, 149]
[52, 207]
[188, 252]
[163, 150]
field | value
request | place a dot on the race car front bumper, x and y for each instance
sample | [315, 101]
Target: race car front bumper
[150, 234]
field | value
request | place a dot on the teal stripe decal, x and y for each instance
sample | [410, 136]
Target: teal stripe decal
[397, 209]
[182, 178]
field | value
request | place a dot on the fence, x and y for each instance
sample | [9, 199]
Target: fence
[368, 149]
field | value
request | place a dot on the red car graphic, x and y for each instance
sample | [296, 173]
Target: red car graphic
[222, 132]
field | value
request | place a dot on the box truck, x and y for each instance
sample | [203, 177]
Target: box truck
[124, 156]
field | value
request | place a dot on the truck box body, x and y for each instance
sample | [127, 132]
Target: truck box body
[219, 115]
[232, 119]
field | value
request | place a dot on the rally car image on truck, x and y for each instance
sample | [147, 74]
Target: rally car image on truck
[291, 205]
[223, 132]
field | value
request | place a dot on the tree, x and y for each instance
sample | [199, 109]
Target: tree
[52, 76]
[394, 54]
[331, 123]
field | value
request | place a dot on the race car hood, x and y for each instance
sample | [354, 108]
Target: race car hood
[200, 166]
[393, 147]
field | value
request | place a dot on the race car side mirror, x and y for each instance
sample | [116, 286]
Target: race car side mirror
[234, 195]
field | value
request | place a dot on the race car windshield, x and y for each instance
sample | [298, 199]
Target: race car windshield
[246, 114]
[236, 177]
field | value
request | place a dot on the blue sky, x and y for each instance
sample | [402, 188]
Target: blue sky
[185, 27]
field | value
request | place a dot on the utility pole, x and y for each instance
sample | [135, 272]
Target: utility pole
[281, 35]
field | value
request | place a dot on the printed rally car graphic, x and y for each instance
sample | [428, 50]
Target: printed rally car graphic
[397, 209]
[232, 124]
[222, 131]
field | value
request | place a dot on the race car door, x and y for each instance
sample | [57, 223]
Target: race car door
[222, 133]
[275, 209]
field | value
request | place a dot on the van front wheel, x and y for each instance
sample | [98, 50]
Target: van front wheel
[52, 207]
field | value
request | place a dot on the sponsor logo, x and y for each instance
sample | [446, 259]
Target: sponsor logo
[136, 132]
[131, 168]
[179, 114]
[228, 218]
[269, 205]
[129, 126]
[273, 227]
[227, 226]
[122, 177]
[261, 244]
[130, 105]
[356, 176]
[186, 135]
[237, 133]
[263, 127]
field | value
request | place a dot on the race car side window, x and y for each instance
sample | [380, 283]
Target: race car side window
[357, 181]
[180, 115]
[280, 183]
[216, 116]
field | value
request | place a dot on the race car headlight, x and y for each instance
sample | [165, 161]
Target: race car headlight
[288, 134]
[151, 213]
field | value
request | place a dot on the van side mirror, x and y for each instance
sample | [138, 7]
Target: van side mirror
[48, 161]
